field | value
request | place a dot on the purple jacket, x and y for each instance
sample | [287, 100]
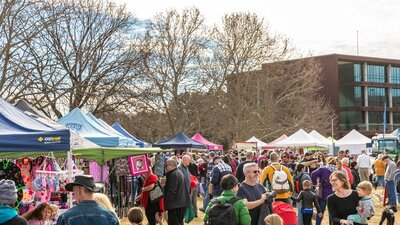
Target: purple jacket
[323, 174]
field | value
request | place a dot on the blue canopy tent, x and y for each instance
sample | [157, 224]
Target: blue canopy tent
[110, 130]
[78, 122]
[180, 140]
[121, 130]
[21, 133]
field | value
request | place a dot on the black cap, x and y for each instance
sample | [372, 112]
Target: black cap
[82, 180]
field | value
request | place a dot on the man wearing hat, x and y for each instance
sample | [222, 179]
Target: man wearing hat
[8, 197]
[87, 212]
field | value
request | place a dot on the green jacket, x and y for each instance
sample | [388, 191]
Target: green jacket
[242, 213]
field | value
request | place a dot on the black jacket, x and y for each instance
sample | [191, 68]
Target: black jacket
[308, 198]
[175, 193]
[356, 177]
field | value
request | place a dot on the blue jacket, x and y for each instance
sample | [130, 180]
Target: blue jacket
[87, 213]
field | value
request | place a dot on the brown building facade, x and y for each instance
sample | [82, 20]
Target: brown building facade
[358, 88]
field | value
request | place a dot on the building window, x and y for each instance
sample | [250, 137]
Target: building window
[376, 120]
[396, 98]
[349, 72]
[395, 75]
[352, 120]
[376, 97]
[376, 73]
[351, 96]
[396, 119]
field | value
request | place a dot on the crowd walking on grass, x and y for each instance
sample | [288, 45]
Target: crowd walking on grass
[270, 187]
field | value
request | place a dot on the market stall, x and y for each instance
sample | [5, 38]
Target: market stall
[210, 146]
[260, 144]
[84, 126]
[122, 131]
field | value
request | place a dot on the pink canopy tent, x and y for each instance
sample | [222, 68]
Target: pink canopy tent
[271, 144]
[211, 146]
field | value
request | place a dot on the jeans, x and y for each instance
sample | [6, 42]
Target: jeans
[322, 205]
[193, 199]
[135, 187]
[299, 214]
[206, 199]
[391, 192]
[380, 180]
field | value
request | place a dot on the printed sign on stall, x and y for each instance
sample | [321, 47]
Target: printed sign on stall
[138, 164]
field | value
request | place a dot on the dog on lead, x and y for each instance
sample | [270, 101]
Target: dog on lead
[388, 214]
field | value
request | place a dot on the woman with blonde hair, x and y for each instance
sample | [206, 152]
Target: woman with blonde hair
[273, 219]
[104, 202]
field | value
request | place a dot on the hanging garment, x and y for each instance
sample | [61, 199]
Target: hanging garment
[122, 167]
[25, 166]
[159, 165]
[95, 171]
[10, 171]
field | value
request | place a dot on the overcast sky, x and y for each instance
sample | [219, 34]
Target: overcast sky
[317, 26]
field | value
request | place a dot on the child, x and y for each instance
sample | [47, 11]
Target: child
[41, 215]
[307, 197]
[366, 208]
[273, 219]
[54, 215]
[135, 216]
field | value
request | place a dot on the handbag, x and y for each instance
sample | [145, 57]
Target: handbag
[189, 214]
[156, 193]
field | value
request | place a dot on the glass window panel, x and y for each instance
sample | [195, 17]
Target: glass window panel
[395, 75]
[351, 96]
[349, 72]
[351, 120]
[396, 118]
[376, 73]
[396, 98]
[376, 96]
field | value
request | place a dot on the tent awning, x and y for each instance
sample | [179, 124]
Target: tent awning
[179, 140]
[121, 130]
[102, 155]
[21, 133]
[211, 146]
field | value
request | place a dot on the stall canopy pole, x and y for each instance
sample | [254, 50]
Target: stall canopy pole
[70, 176]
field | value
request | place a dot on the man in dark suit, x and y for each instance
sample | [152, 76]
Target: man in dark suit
[176, 196]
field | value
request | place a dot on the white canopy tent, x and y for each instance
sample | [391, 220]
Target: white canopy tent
[323, 140]
[260, 143]
[354, 141]
[299, 139]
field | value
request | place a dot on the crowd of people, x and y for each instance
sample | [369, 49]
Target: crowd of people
[236, 189]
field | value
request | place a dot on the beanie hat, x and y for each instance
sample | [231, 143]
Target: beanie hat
[8, 193]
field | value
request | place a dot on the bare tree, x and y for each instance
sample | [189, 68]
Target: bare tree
[87, 58]
[175, 44]
[280, 98]
[19, 24]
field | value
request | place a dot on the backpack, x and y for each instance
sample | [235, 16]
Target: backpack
[280, 183]
[297, 183]
[285, 212]
[222, 213]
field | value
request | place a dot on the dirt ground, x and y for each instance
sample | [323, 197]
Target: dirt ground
[374, 220]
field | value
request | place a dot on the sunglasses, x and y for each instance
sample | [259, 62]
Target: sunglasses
[256, 171]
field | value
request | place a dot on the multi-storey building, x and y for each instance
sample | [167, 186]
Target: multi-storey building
[358, 89]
